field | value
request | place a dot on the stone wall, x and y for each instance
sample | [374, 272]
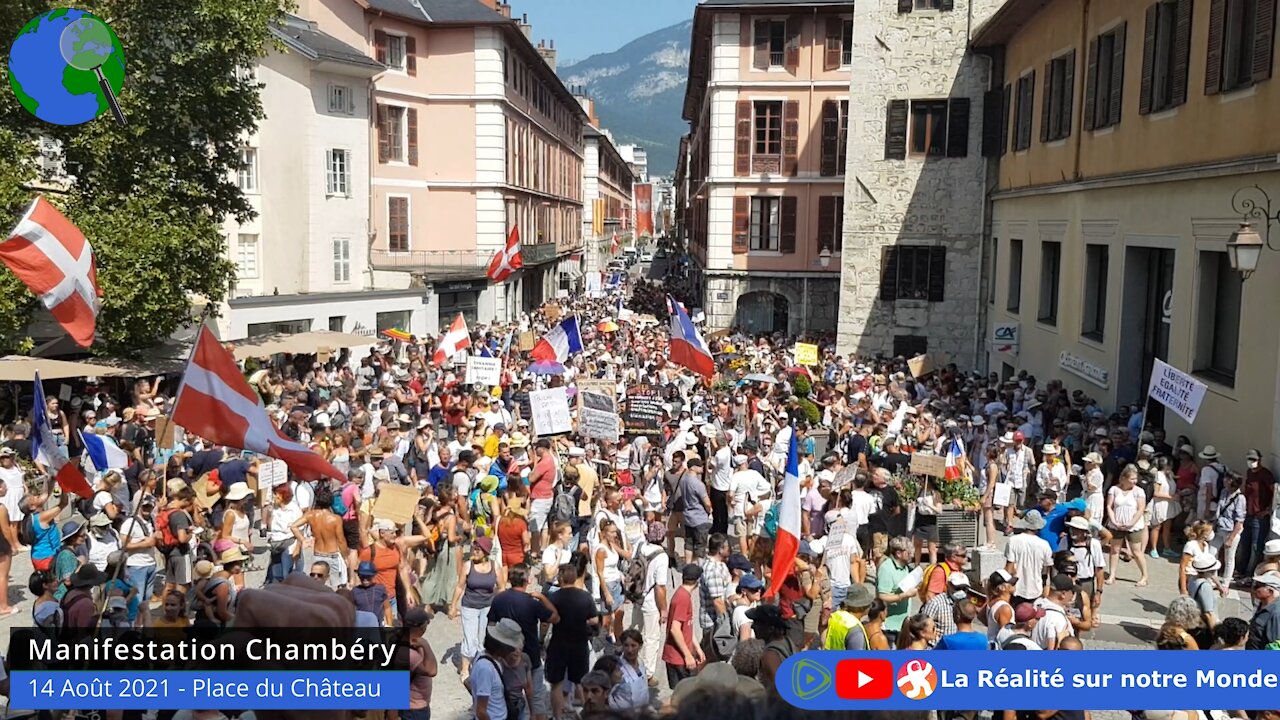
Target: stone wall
[723, 292]
[917, 55]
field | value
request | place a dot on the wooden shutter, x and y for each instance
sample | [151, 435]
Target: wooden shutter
[895, 133]
[411, 55]
[990, 123]
[1044, 101]
[1006, 108]
[937, 273]
[1091, 85]
[741, 225]
[1026, 98]
[380, 46]
[787, 239]
[946, 4]
[1264, 35]
[790, 137]
[830, 137]
[958, 127]
[412, 122]
[742, 140]
[791, 58]
[1181, 52]
[888, 274]
[1145, 93]
[835, 37]
[1117, 74]
[1068, 93]
[384, 134]
[1213, 51]
[905, 6]
[760, 58]
[826, 222]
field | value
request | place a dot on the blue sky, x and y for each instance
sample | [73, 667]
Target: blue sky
[582, 28]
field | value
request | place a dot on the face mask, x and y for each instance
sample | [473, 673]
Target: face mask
[1209, 537]
[1253, 464]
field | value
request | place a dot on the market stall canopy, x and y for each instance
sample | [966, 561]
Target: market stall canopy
[23, 369]
[305, 343]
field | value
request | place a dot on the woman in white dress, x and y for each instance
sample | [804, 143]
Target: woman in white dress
[1093, 479]
[1126, 514]
[1162, 509]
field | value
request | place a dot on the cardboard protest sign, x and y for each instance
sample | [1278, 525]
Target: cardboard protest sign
[1176, 390]
[806, 354]
[396, 503]
[552, 312]
[550, 410]
[931, 465]
[643, 409]
[527, 341]
[598, 409]
[166, 433]
[483, 370]
[920, 365]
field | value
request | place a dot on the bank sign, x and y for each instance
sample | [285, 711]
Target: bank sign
[1004, 338]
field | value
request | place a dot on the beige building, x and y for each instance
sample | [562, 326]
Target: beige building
[1133, 136]
[472, 133]
[608, 182]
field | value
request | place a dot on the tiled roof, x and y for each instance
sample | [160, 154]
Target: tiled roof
[320, 46]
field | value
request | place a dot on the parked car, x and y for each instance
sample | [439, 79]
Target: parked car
[646, 256]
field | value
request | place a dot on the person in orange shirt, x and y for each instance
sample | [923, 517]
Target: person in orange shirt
[386, 554]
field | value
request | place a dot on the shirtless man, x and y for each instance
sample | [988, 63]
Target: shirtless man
[330, 541]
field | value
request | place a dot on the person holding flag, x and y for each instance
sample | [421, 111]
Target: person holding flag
[560, 342]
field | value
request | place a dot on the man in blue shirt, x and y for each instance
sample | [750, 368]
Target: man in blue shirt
[441, 469]
[1055, 518]
[965, 637]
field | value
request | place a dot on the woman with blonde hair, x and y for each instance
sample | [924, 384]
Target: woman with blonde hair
[1199, 534]
[1126, 514]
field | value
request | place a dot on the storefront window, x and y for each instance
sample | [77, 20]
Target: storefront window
[395, 320]
[287, 327]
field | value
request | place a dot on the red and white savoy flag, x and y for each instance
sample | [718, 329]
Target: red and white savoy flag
[456, 339]
[217, 404]
[54, 260]
[507, 260]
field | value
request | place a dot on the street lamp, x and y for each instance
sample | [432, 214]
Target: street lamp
[1244, 249]
[824, 257]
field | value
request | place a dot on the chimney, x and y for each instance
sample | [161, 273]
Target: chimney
[548, 53]
[525, 27]
[505, 9]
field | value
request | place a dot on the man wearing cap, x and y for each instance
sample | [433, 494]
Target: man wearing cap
[1259, 493]
[542, 480]
[680, 653]
[1264, 626]
[1018, 637]
[1028, 557]
[1090, 558]
[749, 497]
[1056, 624]
[844, 629]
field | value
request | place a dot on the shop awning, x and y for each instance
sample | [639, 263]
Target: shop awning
[306, 343]
[23, 369]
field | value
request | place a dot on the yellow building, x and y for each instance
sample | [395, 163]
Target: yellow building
[1127, 130]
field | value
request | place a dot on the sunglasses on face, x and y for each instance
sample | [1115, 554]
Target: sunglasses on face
[318, 576]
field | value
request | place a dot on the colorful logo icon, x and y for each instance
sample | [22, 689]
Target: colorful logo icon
[864, 679]
[809, 679]
[917, 679]
[66, 67]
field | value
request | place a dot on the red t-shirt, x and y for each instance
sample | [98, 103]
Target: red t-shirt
[545, 470]
[387, 562]
[681, 609]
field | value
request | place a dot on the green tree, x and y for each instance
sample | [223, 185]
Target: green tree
[150, 196]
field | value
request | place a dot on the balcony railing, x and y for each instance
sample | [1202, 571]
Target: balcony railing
[433, 262]
[538, 253]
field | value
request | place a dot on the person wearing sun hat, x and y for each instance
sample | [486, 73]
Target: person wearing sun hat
[1052, 475]
[1213, 476]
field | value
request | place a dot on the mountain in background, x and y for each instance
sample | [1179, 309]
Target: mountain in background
[639, 92]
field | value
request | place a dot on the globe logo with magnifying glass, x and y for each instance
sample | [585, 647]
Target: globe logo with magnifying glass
[66, 67]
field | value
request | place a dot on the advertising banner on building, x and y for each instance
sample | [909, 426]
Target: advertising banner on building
[1176, 390]
[644, 209]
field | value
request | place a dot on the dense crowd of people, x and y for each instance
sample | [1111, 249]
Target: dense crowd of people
[588, 572]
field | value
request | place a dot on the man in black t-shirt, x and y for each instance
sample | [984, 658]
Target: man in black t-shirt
[529, 609]
[569, 649]
[889, 520]
[891, 457]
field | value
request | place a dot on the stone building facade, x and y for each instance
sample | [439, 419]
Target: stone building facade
[915, 182]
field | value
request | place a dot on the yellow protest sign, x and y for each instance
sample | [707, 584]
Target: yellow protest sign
[806, 354]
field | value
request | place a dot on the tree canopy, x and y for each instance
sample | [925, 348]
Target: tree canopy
[150, 196]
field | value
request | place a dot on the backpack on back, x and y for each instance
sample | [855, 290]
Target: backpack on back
[633, 581]
[928, 573]
[563, 507]
[771, 520]
[168, 538]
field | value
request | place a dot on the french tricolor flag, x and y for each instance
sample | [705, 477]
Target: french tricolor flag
[787, 543]
[686, 346]
[562, 341]
[104, 453]
[955, 451]
[45, 449]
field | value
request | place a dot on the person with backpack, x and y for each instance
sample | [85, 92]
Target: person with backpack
[645, 583]
[174, 524]
[68, 559]
[137, 532]
[1212, 476]
[79, 607]
[46, 613]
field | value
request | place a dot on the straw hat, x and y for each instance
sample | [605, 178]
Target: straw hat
[232, 555]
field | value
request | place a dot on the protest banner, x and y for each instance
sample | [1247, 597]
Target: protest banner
[396, 503]
[806, 354]
[1176, 390]
[527, 341]
[598, 409]
[643, 409]
[931, 465]
[166, 433]
[271, 473]
[550, 410]
[920, 365]
[483, 370]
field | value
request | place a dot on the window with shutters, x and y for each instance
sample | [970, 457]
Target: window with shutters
[338, 173]
[398, 223]
[396, 52]
[766, 225]
[835, 136]
[247, 174]
[766, 156]
[1105, 91]
[1013, 303]
[1241, 43]
[341, 100]
[830, 223]
[770, 43]
[913, 272]
[1022, 112]
[1058, 93]
[1094, 321]
[1050, 277]
[928, 133]
[1165, 51]
[846, 43]
[928, 4]
[394, 132]
[1218, 302]
[342, 260]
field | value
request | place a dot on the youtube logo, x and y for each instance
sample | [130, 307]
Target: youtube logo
[864, 679]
